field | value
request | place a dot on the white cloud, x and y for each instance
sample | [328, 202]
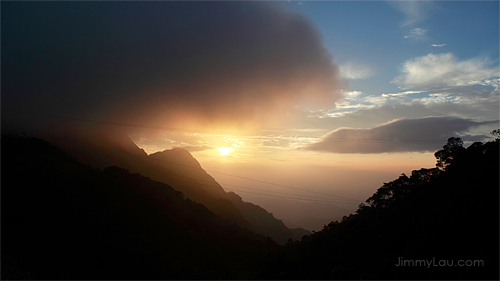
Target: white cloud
[353, 71]
[350, 95]
[416, 33]
[376, 100]
[351, 102]
[442, 72]
[406, 93]
[433, 99]
[438, 45]
[414, 11]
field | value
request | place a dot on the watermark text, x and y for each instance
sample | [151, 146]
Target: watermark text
[438, 262]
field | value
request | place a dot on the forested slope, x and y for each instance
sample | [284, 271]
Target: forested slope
[439, 223]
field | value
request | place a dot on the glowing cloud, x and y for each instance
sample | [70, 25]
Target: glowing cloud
[182, 64]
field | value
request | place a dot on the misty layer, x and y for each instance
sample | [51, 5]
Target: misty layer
[164, 63]
[403, 135]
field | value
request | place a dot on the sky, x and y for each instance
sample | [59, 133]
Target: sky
[319, 99]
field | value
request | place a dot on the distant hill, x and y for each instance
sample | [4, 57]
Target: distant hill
[261, 220]
[439, 223]
[298, 233]
[64, 220]
[100, 147]
[308, 215]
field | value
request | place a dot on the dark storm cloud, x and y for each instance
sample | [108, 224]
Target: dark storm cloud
[403, 135]
[162, 63]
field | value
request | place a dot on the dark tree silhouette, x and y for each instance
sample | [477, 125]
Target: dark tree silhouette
[496, 134]
[450, 151]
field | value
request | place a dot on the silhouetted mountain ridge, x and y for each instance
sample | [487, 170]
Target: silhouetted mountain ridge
[177, 155]
[255, 217]
[261, 220]
[64, 220]
[102, 147]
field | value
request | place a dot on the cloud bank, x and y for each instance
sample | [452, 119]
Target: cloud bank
[163, 63]
[401, 135]
[431, 85]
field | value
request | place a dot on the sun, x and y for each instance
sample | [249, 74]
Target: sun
[225, 150]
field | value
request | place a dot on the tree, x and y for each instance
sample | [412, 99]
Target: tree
[423, 175]
[450, 151]
[389, 192]
[496, 134]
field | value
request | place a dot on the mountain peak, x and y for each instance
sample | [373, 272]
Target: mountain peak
[177, 155]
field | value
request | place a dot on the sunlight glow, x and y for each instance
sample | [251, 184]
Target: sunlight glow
[225, 150]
